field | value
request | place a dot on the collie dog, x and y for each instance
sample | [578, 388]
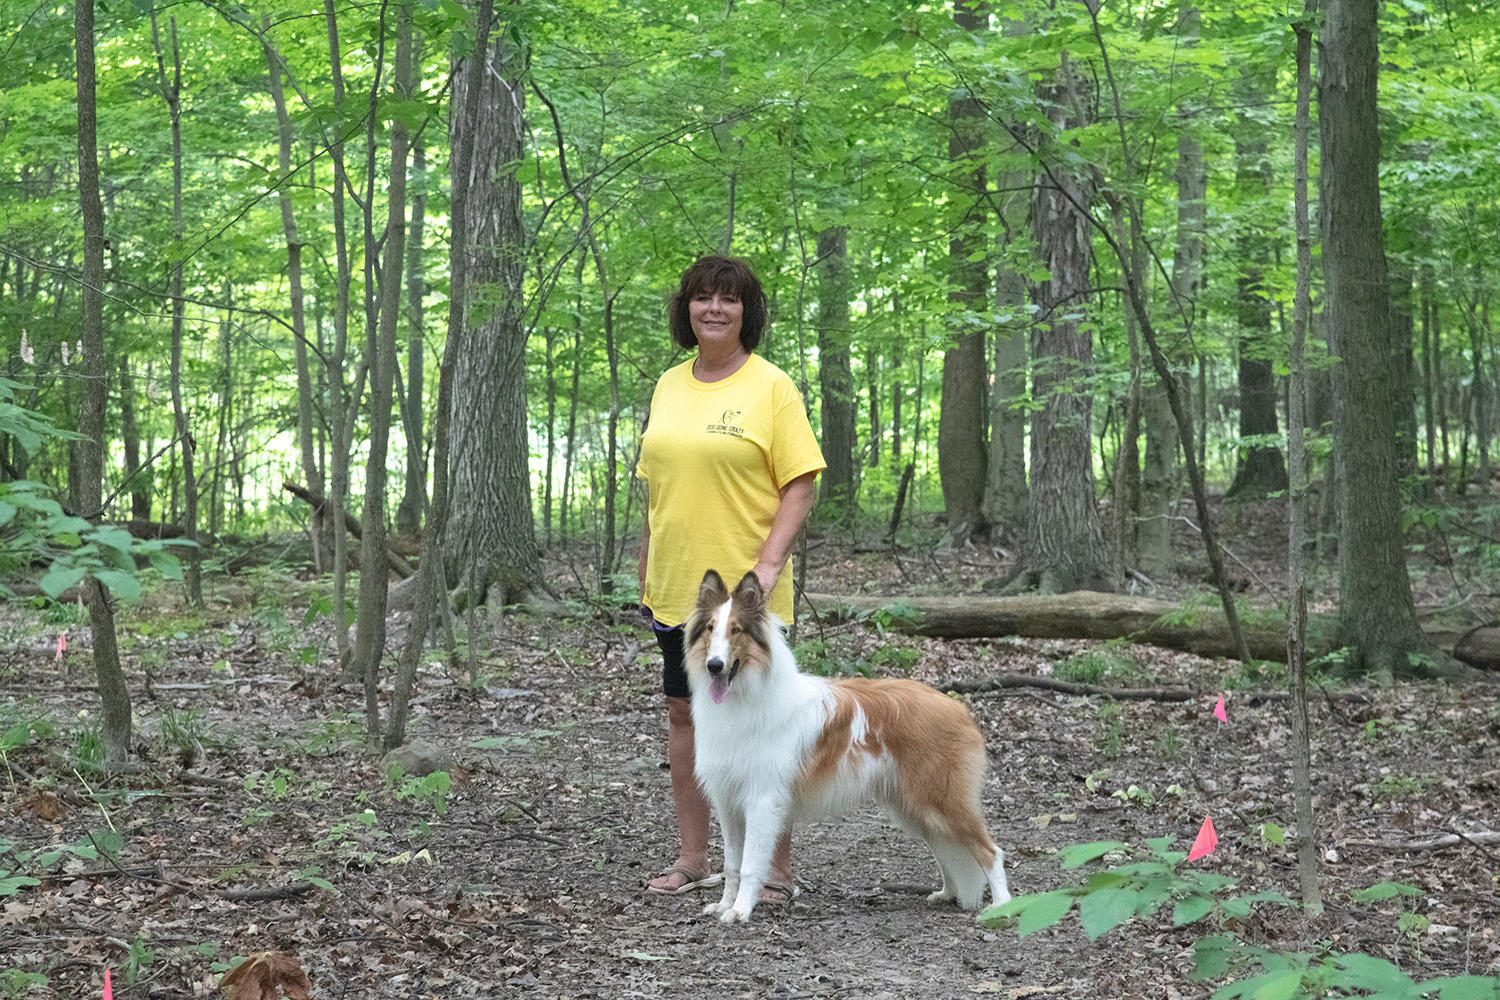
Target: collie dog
[775, 746]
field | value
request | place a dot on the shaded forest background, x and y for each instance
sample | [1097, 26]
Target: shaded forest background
[994, 237]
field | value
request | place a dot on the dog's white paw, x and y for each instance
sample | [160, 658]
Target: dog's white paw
[714, 909]
[734, 916]
[941, 896]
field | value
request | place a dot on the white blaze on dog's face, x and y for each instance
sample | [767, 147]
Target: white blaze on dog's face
[726, 632]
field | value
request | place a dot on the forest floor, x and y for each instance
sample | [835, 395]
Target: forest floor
[258, 821]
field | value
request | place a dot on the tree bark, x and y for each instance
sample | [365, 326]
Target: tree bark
[492, 542]
[414, 495]
[1005, 487]
[130, 438]
[964, 408]
[464, 118]
[1260, 469]
[1085, 614]
[835, 379]
[172, 94]
[1161, 473]
[1296, 650]
[305, 446]
[1063, 548]
[1377, 618]
[87, 488]
[370, 626]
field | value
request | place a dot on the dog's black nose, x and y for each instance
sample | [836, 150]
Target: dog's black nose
[715, 666]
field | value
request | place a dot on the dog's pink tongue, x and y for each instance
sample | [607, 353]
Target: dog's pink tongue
[718, 688]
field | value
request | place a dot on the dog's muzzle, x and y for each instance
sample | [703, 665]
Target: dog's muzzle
[719, 679]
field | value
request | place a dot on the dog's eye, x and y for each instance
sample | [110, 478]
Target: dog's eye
[735, 630]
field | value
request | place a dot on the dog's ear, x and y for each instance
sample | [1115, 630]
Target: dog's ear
[749, 595]
[712, 592]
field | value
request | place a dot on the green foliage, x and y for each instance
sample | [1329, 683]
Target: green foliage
[21, 867]
[1147, 888]
[1108, 898]
[1098, 666]
[17, 983]
[429, 790]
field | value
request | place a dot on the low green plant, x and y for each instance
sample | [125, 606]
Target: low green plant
[430, 790]
[1111, 738]
[1097, 666]
[1396, 787]
[137, 957]
[185, 730]
[1156, 885]
[18, 983]
[87, 752]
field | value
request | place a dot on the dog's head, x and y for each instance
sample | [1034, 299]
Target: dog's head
[726, 635]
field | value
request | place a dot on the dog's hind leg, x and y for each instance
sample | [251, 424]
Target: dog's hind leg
[963, 881]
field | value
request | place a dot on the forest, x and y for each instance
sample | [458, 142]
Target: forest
[1149, 349]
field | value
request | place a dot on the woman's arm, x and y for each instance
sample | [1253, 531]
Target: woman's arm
[645, 542]
[796, 504]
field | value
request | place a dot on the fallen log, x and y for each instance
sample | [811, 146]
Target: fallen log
[1090, 615]
[398, 565]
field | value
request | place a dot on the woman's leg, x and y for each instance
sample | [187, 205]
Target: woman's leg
[687, 796]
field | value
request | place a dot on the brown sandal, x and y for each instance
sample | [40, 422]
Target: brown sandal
[695, 881]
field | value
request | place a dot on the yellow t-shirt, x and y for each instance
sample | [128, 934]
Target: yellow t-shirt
[715, 457]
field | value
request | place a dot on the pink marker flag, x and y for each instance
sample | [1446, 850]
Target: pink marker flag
[62, 645]
[109, 994]
[1219, 712]
[1207, 840]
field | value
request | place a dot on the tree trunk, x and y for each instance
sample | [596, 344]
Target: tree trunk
[370, 626]
[130, 437]
[414, 496]
[835, 380]
[1404, 402]
[1307, 854]
[172, 94]
[305, 445]
[87, 488]
[492, 541]
[340, 411]
[964, 408]
[1376, 615]
[1063, 548]
[1005, 486]
[464, 119]
[1085, 614]
[1260, 470]
[1161, 474]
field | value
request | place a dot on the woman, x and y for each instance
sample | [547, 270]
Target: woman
[729, 461]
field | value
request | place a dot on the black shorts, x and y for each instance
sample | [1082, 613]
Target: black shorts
[673, 674]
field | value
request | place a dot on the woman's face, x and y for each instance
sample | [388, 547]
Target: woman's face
[716, 318]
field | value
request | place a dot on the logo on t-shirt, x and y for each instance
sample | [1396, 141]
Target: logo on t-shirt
[726, 424]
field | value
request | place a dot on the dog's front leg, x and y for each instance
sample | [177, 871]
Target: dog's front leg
[763, 822]
[732, 824]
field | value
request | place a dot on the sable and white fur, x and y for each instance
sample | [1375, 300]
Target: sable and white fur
[775, 747]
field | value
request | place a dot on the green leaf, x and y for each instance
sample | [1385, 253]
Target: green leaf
[1465, 987]
[15, 883]
[1211, 955]
[1082, 854]
[7, 512]
[1385, 890]
[1192, 908]
[1281, 985]
[120, 583]
[1381, 978]
[1043, 911]
[1102, 911]
[55, 581]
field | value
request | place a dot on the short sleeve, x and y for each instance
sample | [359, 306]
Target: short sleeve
[794, 448]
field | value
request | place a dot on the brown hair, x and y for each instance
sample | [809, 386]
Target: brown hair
[727, 276]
